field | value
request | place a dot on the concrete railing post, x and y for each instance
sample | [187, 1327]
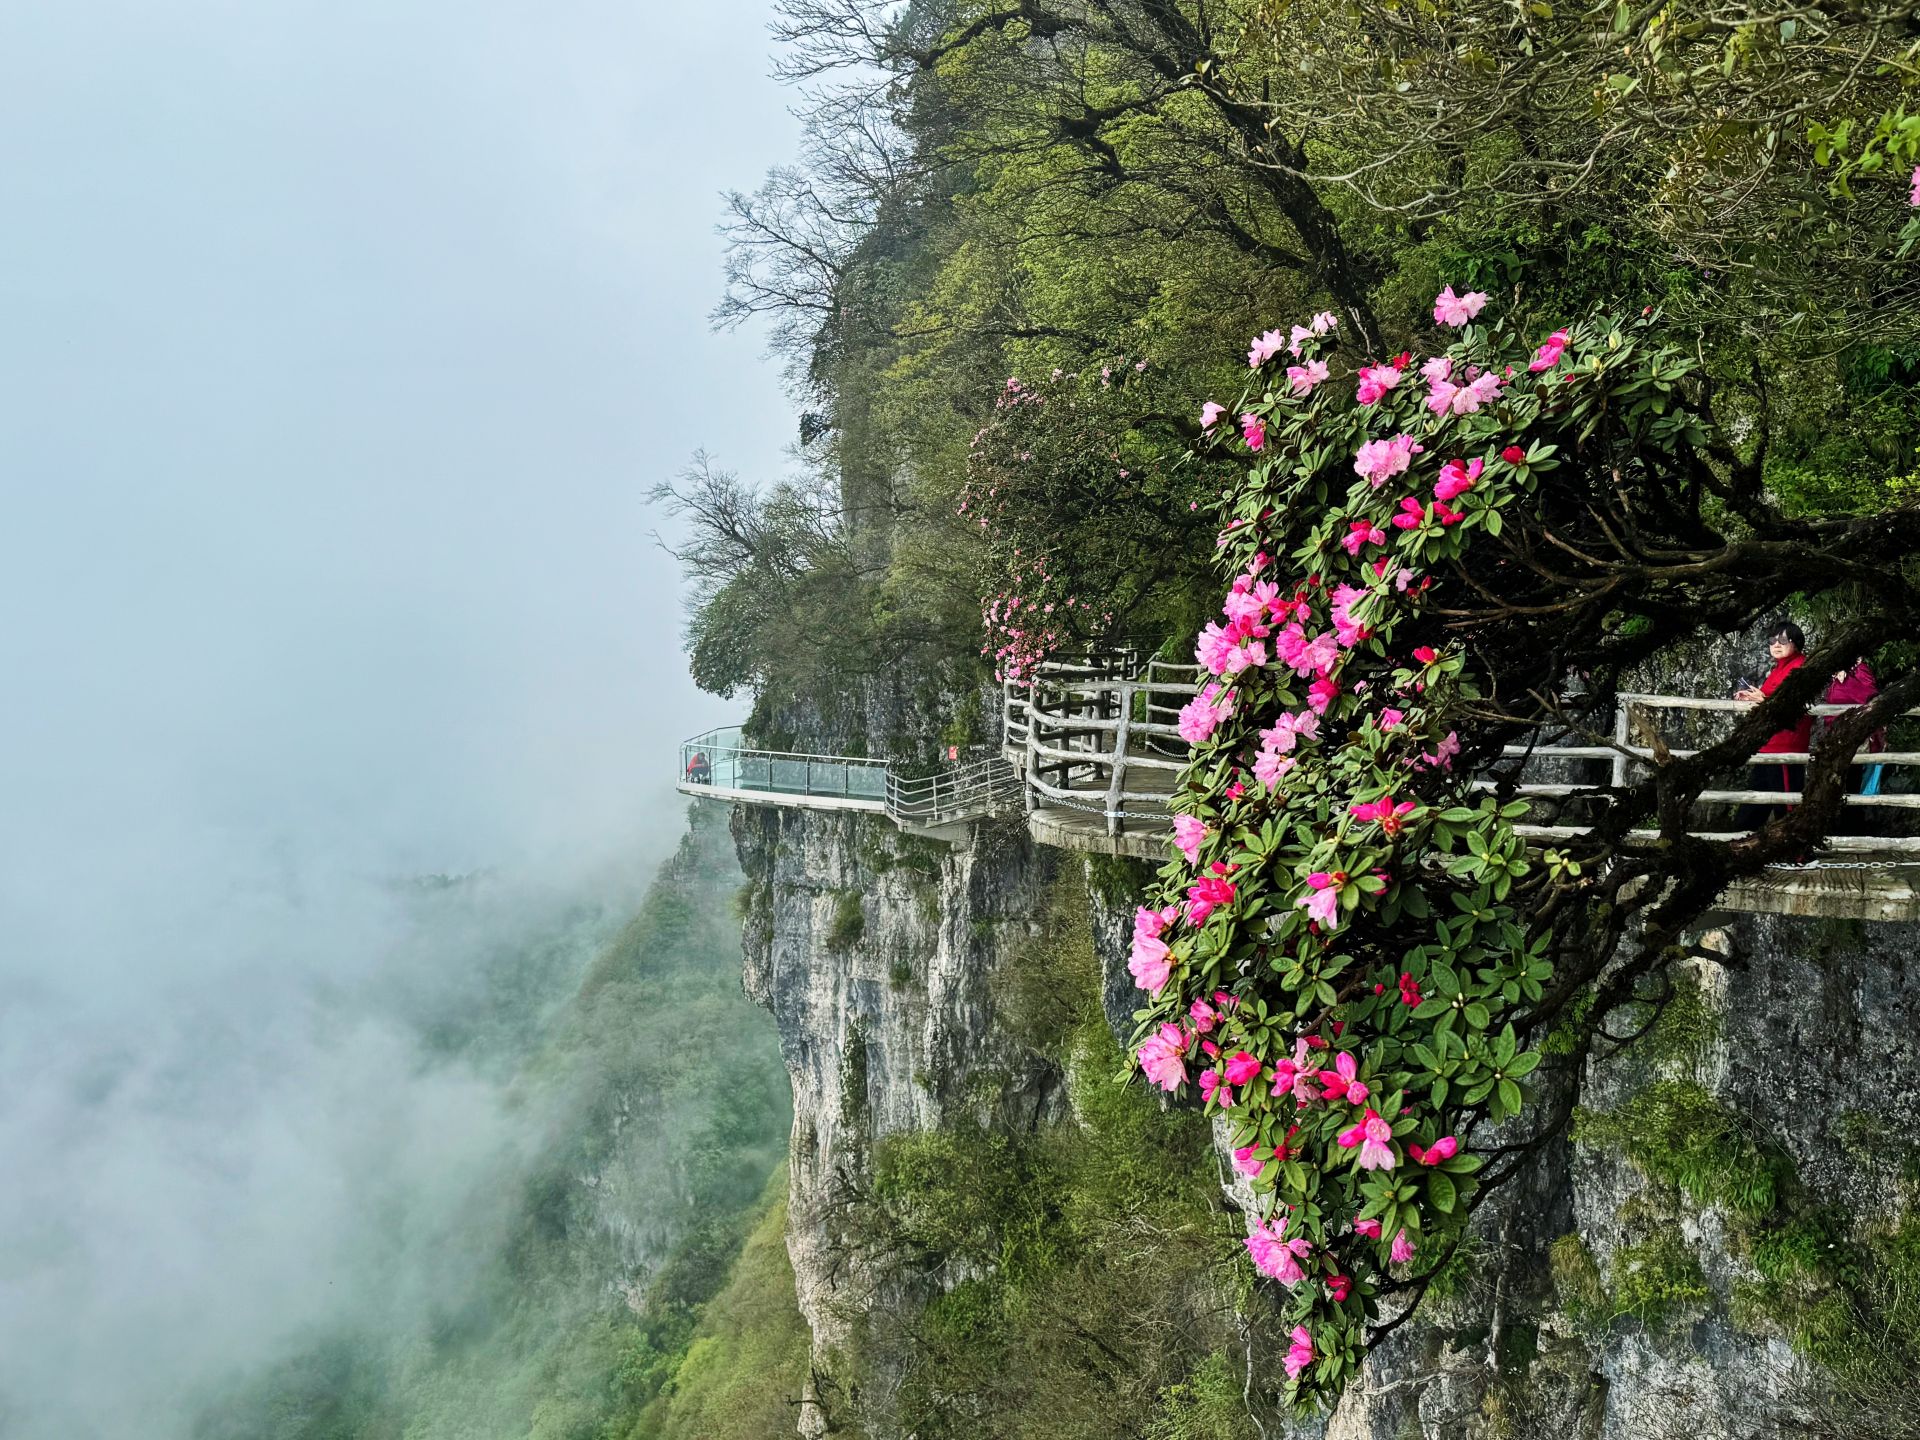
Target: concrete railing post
[1117, 787]
[1620, 732]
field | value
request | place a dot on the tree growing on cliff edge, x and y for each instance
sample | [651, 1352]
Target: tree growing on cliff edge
[1356, 959]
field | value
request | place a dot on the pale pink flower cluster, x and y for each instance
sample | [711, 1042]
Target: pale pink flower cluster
[1210, 414]
[1378, 460]
[1447, 397]
[1275, 1256]
[1322, 900]
[1264, 348]
[1151, 962]
[1277, 743]
[1302, 378]
[1163, 1057]
[1456, 310]
[1188, 832]
[1375, 382]
[1202, 715]
[1253, 430]
[1374, 1136]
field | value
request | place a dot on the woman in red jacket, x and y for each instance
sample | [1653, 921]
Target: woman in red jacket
[1786, 647]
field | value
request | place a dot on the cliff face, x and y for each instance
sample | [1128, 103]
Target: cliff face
[876, 953]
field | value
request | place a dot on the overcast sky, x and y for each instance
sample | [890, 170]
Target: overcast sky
[339, 344]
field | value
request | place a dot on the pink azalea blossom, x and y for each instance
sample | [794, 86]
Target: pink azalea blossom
[1200, 716]
[1368, 1228]
[1378, 460]
[1203, 1015]
[1362, 532]
[1338, 1288]
[1913, 197]
[1300, 1354]
[1275, 1256]
[1253, 430]
[1247, 1160]
[1455, 310]
[1322, 901]
[1264, 348]
[1163, 1057]
[1549, 353]
[1442, 756]
[1339, 1083]
[1456, 478]
[1324, 322]
[1150, 963]
[1392, 817]
[1208, 894]
[1402, 1248]
[1270, 767]
[1188, 832]
[1210, 414]
[1437, 369]
[1375, 382]
[1302, 378]
[1444, 1148]
[1212, 1087]
[1322, 693]
[1301, 334]
[1412, 514]
[1241, 1068]
[1374, 1136]
[1390, 718]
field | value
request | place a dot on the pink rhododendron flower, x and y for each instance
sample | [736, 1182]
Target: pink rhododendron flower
[1409, 990]
[1549, 353]
[1390, 718]
[1338, 1288]
[1377, 460]
[1368, 1228]
[1513, 454]
[1210, 414]
[1201, 716]
[1275, 1256]
[1362, 532]
[1347, 631]
[1212, 1087]
[1339, 1083]
[1425, 654]
[1253, 430]
[1442, 756]
[1163, 1057]
[1208, 894]
[1437, 369]
[1241, 1068]
[1300, 1353]
[1322, 693]
[1301, 334]
[1270, 767]
[1412, 514]
[1455, 310]
[1203, 1015]
[1402, 1248]
[1324, 322]
[1247, 1160]
[1375, 382]
[1188, 832]
[1150, 963]
[1392, 817]
[1374, 1136]
[1444, 1148]
[1302, 378]
[1456, 478]
[1322, 901]
[1264, 348]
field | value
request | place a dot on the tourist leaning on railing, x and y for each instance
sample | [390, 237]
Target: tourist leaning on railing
[1786, 650]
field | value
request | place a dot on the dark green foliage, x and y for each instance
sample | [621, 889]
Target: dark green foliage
[1098, 1261]
[848, 924]
[1675, 1131]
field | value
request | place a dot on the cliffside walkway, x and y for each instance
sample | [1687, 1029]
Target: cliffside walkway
[720, 765]
[1091, 750]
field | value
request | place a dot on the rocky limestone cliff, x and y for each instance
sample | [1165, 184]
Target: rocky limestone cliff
[876, 953]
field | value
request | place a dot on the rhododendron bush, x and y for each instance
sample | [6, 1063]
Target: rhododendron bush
[1087, 521]
[1352, 957]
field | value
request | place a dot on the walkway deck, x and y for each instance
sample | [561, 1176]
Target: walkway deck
[1092, 752]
